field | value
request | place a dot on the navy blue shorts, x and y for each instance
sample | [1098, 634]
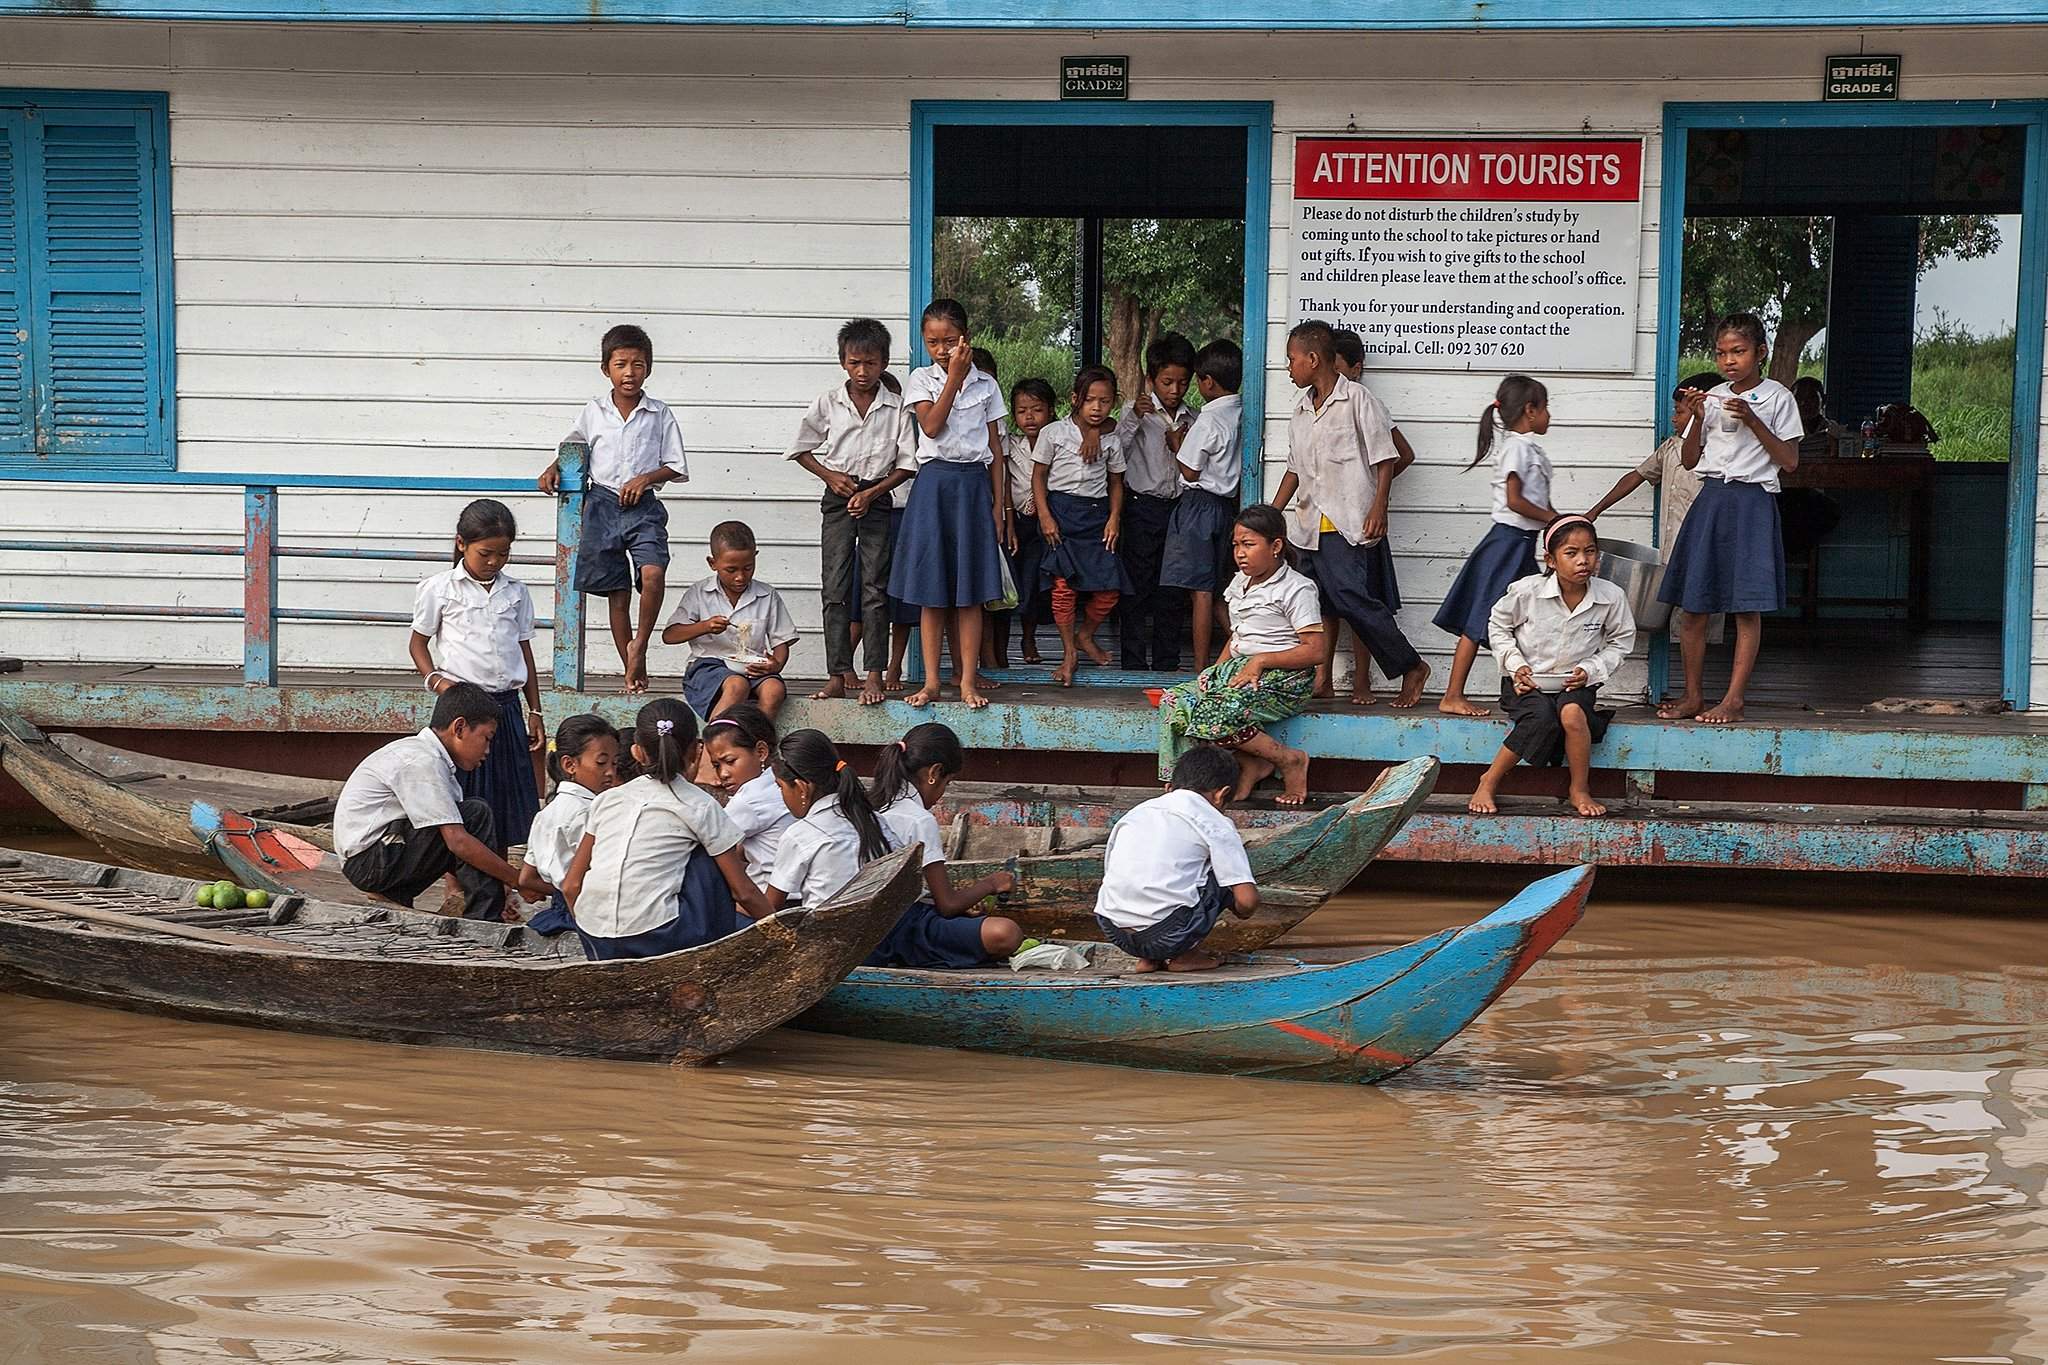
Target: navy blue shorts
[619, 541]
[1180, 932]
[923, 937]
[1198, 555]
[705, 678]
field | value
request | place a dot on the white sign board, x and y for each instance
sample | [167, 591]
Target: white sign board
[1471, 254]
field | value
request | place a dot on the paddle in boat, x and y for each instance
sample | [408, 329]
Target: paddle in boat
[1265, 1015]
[135, 940]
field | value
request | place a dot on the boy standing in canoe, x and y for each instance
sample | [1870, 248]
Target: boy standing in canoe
[1174, 865]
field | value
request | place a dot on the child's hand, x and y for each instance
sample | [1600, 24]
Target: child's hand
[1003, 882]
[1048, 528]
[842, 485]
[1741, 411]
[1142, 404]
[550, 480]
[530, 883]
[1091, 444]
[1376, 524]
[1692, 402]
[1248, 676]
[1576, 680]
[1110, 533]
[858, 502]
[536, 730]
[765, 668]
[715, 625]
[960, 364]
[635, 486]
[1525, 680]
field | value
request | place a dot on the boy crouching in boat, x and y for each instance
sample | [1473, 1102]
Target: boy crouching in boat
[401, 822]
[1173, 865]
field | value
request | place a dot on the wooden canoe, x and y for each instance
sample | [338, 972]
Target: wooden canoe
[1265, 1015]
[138, 807]
[135, 940]
[1298, 866]
[275, 858]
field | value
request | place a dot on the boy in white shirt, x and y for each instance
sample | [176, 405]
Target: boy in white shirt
[738, 628]
[1209, 455]
[1149, 615]
[636, 445]
[1174, 865]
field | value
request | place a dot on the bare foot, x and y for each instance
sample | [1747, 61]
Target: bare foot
[1727, 713]
[1687, 707]
[1064, 674]
[1458, 706]
[1252, 770]
[892, 681]
[975, 701]
[873, 693]
[1194, 962]
[1411, 686]
[1146, 964]
[1293, 767]
[509, 915]
[923, 697]
[1032, 656]
[1325, 687]
[831, 691]
[1482, 802]
[1095, 652]
[1364, 696]
[636, 666]
[1584, 804]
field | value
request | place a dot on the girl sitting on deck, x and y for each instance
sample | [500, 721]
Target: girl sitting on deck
[911, 777]
[1266, 669]
[741, 745]
[584, 765]
[1557, 637]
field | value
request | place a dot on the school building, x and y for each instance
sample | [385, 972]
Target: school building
[283, 284]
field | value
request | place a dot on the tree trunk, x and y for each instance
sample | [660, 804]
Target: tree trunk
[1124, 348]
[1786, 347]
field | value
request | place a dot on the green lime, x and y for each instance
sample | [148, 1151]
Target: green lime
[204, 895]
[227, 896]
[259, 900]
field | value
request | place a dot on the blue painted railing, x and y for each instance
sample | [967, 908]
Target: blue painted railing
[260, 552]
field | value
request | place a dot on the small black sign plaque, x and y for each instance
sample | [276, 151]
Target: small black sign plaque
[1861, 78]
[1095, 78]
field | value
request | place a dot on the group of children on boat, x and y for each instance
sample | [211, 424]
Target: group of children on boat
[929, 516]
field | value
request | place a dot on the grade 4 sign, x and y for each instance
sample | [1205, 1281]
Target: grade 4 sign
[1462, 253]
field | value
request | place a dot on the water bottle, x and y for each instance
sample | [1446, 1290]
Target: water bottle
[1869, 449]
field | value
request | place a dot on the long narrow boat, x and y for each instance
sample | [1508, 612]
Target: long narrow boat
[1267, 1016]
[135, 940]
[138, 807]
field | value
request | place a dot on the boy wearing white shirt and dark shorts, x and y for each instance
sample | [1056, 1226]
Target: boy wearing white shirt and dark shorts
[1174, 865]
[1209, 456]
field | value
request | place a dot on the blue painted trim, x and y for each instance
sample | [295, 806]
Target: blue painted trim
[1254, 117]
[259, 587]
[2030, 319]
[178, 478]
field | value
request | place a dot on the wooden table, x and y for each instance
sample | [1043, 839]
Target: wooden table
[1905, 472]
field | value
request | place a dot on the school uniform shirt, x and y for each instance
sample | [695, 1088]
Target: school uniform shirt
[820, 853]
[645, 833]
[756, 625]
[908, 815]
[1161, 855]
[1212, 447]
[964, 438]
[477, 628]
[1516, 452]
[1678, 486]
[411, 779]
[558, 830]
[623, 448]
[1333, 451]
[1531, 625]
[1149, 467]
[1269, 617]
[1059, 450]
[1017, 449]
[759, 813]
[866, 446]
[1738, 456]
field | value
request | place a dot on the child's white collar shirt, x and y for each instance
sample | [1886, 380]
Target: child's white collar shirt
[1212, 447]
[1531, 625]
[1269, 617]
[756, 625]
[411, 779]
[1333, 451]
[476, 628]
[623, 448]
[1738, 456]
[1162, 854]
[1517, 453]
[1149, 467]
[866, 446]
[909, 820]
[760, 814]
[643, 836]
[964, 438]
[1017, 452]
[557, 830]
[1059, 450]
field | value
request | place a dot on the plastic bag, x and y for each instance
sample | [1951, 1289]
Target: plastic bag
[1008, 601]
[1051, 957]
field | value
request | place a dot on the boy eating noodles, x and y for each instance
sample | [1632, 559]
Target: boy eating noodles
[738, 628]
[1174, 865]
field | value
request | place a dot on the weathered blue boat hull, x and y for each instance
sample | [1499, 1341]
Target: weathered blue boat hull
[1359, 1021]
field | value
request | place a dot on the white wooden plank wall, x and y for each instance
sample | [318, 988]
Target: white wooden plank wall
[396, 250]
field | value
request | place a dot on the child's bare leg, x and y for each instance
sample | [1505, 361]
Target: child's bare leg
[1251, 771]
[971, 683]
[1454, 702]
[986, 655]
[652, 583]
[1000, 937]
[1361, 673]
[1692, 650]
[1749, 639]
[1326, 671]
[620, 606]
[1291, 764]
[899, 645]
[931, 638]
[1578, 758]
[731, 692]
[1100, 605]
[1027, 627]
[770, 695]
[1482, 802]
[1201, 622]
[1064, 608]
[995, 649]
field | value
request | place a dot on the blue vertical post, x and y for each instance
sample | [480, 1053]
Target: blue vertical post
[259, 587]
[572, 459]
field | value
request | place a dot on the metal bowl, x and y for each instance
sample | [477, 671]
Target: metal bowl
[1638, 570]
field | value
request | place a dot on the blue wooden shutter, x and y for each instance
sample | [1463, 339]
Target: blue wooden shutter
[17, 417]
[95, 263]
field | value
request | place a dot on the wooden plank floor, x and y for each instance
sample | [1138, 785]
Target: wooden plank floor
[1848, 664]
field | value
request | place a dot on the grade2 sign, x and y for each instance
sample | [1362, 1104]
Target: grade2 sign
[1467, 253]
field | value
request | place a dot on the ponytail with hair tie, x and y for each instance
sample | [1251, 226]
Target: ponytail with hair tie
[808, 756]
[923, 746]
[664, 730]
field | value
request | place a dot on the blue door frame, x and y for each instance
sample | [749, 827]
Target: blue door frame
[2029, 319]
[1256, 120]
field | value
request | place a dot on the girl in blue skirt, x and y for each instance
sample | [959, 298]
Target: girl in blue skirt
[1508, 429]
[1730, 552]
[949, 559]
[481, 621]
[1077, 485]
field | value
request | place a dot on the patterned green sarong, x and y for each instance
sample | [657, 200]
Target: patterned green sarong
[1208, 708]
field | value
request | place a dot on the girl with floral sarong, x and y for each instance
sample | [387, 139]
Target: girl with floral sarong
[1266, 670]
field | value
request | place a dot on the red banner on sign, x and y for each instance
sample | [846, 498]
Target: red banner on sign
[1514, 170]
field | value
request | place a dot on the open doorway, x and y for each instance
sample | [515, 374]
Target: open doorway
[1884, 253]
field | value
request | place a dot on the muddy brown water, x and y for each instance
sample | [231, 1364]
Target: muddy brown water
[1714, 1126]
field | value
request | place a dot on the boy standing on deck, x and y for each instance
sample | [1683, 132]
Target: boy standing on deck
[636, 445]
[1208, 454]
[1150, 612]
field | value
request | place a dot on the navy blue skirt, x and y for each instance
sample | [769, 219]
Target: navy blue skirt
[1198, 556]
[504, 780]
[901, 613]
[705, 915]
[1504, 554]
[553, 920]
[948, 556]
[923, 937]
[1729, 554]
[1081, 558]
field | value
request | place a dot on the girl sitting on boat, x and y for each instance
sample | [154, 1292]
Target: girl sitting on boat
[584, 764]
[1557, 637]
[1174, 865]
[837, 828]
[649, 837]
[741, 745]
[1266, 670]
[911, 777]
